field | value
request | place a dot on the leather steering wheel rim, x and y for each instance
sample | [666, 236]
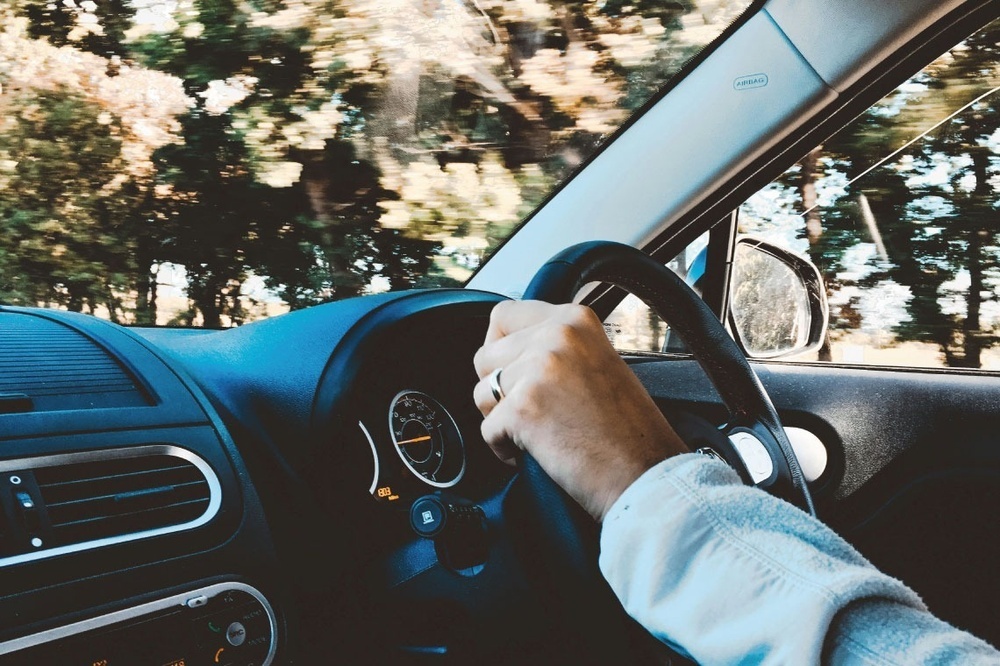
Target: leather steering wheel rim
[751, 410]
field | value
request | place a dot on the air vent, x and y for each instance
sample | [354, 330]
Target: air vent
[77, 501]
[90, 501]
[59, 368]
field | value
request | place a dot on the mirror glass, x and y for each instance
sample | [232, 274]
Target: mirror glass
[770, 303]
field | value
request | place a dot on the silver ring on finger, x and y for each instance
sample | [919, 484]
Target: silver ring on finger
[495, 387]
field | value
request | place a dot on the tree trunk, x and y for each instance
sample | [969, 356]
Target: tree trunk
[814, 224]
[972, 340]
[972, 344]
[154, 285]
[115, 309]
[807, 192]
[868, 217]
[76, 300]
[236, 313]
[145, 291]
[654, 330]
[346, 282]
[344, 277]
[204, 291]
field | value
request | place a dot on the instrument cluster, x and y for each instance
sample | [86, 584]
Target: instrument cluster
[421, 450]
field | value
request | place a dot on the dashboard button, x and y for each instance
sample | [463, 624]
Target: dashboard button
[236, 634]
[196, 602]
[755, 456]
[428, 516]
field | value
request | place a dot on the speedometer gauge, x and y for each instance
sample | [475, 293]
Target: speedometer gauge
[426, 438]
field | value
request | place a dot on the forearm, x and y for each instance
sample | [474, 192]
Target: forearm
[729, 573]
[876, 631]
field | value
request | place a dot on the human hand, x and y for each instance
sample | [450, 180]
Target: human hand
[570, 401]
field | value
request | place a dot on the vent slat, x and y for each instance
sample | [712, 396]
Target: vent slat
[117, 466]
[57, 484]
[64, 384]
[95, 391]
[84, 521]
[41, 351]
[38, 356]
[113, 526]
[35, 369]
[117, 485]
[120, 496]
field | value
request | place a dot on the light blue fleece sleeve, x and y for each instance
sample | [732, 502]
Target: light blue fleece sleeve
[730, 574]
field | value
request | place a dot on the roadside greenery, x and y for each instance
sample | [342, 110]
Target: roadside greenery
[281, 153]
[209, 162]
[900, 211]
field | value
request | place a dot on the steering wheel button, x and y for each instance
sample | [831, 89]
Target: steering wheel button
[754, 454]
[236, 634]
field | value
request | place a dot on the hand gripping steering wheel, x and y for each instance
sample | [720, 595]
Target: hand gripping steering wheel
[755, 443]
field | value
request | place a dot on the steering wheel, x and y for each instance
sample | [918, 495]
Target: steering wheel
[753, 442]
[754, 431]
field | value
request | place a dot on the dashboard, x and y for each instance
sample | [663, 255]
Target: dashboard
[245, 497]
[122, 499]
[311, 488]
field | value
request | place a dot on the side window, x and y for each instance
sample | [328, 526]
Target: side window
[899, 210]
[632, 326]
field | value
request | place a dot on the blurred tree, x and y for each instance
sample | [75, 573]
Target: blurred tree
[330, 146]
[932, 210]
[951, 261]
[220, 223]
[929, 213]
[97, 26]
[62, 239]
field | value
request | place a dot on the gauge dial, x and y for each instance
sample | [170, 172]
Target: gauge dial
[426, 438]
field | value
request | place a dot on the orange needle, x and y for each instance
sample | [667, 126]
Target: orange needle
[414, 440]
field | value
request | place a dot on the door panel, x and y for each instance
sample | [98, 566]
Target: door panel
[914, 474]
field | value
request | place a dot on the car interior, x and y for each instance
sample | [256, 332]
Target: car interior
[313, 488]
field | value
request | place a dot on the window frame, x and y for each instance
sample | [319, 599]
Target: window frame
[724, 209]
[906, 61]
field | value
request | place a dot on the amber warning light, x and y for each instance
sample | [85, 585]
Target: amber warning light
[385, 492]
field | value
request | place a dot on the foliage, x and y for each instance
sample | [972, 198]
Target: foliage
[910, 248]
[65, 229]
[300, 150]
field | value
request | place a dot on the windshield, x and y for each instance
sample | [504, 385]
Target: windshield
[211, 162]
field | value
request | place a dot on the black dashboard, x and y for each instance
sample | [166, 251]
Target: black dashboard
[242, 496]
[253, 496]
[120, 488]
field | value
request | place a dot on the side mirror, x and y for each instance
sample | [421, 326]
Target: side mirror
[777, 302]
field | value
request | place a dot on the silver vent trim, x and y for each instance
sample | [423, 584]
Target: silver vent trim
[177, 600]
[36, 462]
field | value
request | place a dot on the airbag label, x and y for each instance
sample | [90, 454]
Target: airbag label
[750, 81]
